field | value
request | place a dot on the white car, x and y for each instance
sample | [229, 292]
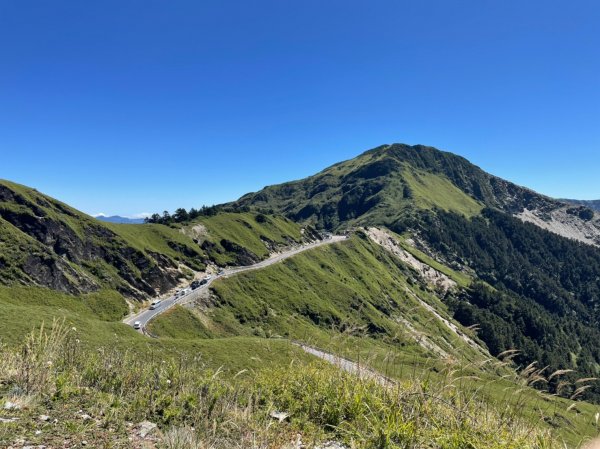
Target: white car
[137, 325]
[155, 304]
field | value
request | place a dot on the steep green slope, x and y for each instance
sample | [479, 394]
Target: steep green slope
[48, 243]
[380, 185]
[355, 288]
[244, 238]
[96, 315]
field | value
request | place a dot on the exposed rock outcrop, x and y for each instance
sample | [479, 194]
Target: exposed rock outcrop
[574, 223]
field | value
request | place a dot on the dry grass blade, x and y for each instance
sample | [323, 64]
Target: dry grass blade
[560, 372]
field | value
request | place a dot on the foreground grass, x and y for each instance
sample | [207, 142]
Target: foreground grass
[96, 319]
[99, 396]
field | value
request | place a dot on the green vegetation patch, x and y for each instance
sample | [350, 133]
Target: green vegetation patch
[160, 239]
[251, 233]
[179, 322]
[353, 288]
[431, 191]
[107, 305]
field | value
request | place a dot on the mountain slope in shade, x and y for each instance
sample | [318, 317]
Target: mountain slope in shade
[118, 219]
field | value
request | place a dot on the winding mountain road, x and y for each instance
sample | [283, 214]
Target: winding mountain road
[146, 315]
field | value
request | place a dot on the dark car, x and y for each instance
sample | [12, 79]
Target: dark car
[195, 285]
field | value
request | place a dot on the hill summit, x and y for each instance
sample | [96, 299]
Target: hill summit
[386, 183]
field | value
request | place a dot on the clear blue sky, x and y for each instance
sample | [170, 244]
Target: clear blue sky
[139, 106]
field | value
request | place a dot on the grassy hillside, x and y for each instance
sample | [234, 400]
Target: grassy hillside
[431, 191]
[388, 182]
[160, 239]
[244, 238]
[48, 243]
[179, 322]
[96, 315]
[353, 299]
[354, 288]
[95, 321]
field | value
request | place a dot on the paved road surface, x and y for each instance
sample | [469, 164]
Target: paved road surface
[362, 371]
[146, 315]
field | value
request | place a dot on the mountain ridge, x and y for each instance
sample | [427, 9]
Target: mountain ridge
[592, 204]
[380, 185]
[535, 259]
[118, 219]
[49, 243]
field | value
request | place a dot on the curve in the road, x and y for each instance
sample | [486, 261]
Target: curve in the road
[146, 315]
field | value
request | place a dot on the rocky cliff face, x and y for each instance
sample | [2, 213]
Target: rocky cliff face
[48, 243]
[576, 223]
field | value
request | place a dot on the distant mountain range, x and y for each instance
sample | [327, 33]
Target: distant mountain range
[118, 219]
[592, 204]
